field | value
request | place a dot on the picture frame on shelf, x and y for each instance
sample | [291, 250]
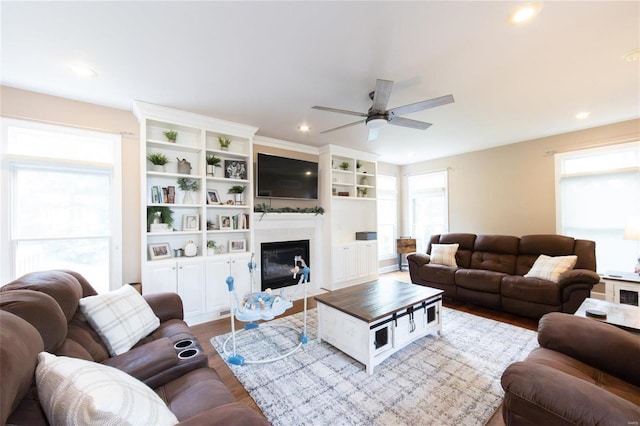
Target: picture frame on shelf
[190, 222]
[235, 169]
[213, 197]
[159, 251]
[224, 222]
[236, 246]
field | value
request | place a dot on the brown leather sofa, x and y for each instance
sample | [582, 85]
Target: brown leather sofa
[490, 272]
[40, 311]
[584, 372]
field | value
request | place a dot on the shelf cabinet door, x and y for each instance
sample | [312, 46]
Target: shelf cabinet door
[191, 287]
[162, 278]
[367, 259]
[344, 263]
[217, 271]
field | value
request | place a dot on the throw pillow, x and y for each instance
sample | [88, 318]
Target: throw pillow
[77, 392]
[121, 318]
[444, 254]
[550, 268]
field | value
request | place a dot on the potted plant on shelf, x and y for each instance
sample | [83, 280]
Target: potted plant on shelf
[157, 215]
[212, 163]
[237, 191]
[362, 192]
[224, 142]
[158, 160]
[188, 185]
[211, 247]
[171, 135]
[344, 165]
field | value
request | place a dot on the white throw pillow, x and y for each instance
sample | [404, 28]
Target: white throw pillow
[550, 268]
[121, 318]
[444, 254]
[77, 392]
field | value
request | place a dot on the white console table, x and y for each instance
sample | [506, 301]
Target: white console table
[622, 287]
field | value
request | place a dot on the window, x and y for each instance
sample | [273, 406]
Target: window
[428, 202]
[60, 202]
[598, 193]
[387, 197]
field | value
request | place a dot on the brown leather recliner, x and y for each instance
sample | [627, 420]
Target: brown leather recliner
[585, 372]
[40, 312]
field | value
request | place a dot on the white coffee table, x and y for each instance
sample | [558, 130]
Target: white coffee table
[371, 321]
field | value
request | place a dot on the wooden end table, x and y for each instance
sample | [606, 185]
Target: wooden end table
[371, 321]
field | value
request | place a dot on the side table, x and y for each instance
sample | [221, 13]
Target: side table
[622, 287]
[404, 246]
[623, 316]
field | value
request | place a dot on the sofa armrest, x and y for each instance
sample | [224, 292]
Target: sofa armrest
[419, 259]
[603, 346]
[146, 361]
[166, 306]
[543, 395]
[233, 414]
[581, 276]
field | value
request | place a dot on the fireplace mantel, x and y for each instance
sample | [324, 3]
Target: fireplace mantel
[285, 220]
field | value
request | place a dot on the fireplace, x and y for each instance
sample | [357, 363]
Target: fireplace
[277, 260]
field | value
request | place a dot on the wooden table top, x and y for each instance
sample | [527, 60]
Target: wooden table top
[372, 301]
[625, 316]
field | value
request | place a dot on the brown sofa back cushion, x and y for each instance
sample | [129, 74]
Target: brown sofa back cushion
[495, 253]
[532, 246]
[465, 246]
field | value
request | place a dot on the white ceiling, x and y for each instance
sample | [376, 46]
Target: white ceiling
[266, 63]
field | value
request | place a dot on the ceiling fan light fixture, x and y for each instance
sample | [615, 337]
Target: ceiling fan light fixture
[376, 122]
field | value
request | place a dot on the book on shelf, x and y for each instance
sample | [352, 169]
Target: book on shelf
[163, 195]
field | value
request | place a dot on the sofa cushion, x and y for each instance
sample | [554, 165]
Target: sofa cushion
[532, 246]
[465, 246]
[550, 268]
[121, 318]
[479, 280]
[495, 253]
[75, 391]
[532, 290]
[444, 254]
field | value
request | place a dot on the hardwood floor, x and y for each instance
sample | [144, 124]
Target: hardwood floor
[204, 332]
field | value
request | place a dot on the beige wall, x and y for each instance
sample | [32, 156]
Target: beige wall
[22, 104]
[511, 189]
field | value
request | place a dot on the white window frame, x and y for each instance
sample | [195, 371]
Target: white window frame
[7, 163]
[383, 194]
[604, 169]
[421, 245]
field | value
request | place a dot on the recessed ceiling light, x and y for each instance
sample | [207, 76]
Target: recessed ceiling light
[524, 13]
[634, 55]
[582, 115]
[83, 71]
[304, 128]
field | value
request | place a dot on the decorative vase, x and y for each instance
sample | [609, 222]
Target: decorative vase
[211, 251]
[237, 199]
[158, 167]
[211, 170]
[190, 249]
[188, 198]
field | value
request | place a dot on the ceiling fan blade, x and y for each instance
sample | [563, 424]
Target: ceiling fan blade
[342, 127]
[419, 106]
[339, 111]
[373, 134]
[407, 122]
[381, 95]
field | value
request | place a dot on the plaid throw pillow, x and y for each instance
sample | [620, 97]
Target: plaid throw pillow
[121, 318]
[550, 268]
[444, 254]
[77, 392]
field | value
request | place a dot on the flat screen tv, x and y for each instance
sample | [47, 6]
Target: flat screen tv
[281, 177]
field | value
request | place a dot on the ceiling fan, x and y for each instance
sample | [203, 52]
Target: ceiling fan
[378, 115]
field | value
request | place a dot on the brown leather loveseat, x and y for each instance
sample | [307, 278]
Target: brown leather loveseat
[584, 372]
[490, 271]
[41, 312]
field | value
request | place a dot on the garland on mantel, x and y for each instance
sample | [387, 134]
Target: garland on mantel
[264, 208]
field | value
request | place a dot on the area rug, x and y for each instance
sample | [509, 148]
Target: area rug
[453, 379]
